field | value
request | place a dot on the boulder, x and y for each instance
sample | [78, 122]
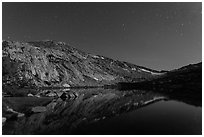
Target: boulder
[38, 96]
[51, 94]
[66, 90]
[20, 115]
[30, 95]
[66, 85]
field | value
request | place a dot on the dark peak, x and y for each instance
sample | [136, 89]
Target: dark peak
[189, 67]
[192, 66]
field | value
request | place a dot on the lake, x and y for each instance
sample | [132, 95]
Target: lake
[107, 111]
[163, 117]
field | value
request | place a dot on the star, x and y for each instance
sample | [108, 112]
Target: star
[123, 25]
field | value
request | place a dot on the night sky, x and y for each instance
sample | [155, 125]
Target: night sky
[155, 35]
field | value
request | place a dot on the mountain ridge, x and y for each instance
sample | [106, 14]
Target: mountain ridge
[52, 63]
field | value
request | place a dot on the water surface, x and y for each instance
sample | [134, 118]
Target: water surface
[163, 117]
[107, 111]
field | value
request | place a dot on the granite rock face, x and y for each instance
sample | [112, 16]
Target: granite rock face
[50, 63]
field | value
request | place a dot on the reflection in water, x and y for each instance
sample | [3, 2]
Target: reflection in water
[101, 106]
[164, 117]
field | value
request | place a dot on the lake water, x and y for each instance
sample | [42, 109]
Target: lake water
[163, 117]
[110, 112]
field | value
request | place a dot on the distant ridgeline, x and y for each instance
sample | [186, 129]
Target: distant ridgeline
[188, 78]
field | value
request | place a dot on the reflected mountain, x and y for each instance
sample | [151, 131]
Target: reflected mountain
[70, 115]
[90, 105]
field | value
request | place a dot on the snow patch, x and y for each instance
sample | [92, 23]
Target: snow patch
[95, 78]
[62, 43]
[146, 70]
[155, 98]
[95, 56]
[153, 73]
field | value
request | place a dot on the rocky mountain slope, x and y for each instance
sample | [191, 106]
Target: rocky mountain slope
[50, 63]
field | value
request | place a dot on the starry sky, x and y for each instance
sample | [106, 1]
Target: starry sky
[161, 36]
